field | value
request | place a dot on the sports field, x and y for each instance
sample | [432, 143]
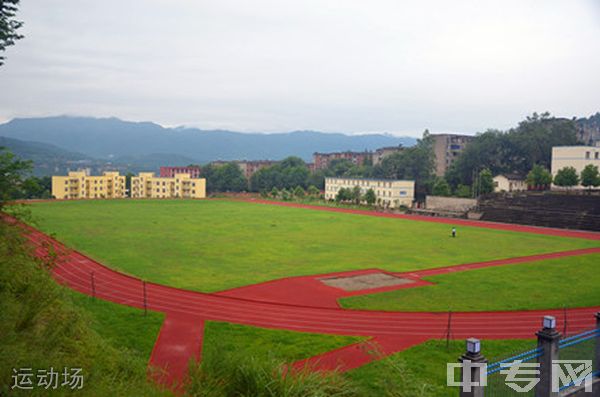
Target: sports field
[214, 245]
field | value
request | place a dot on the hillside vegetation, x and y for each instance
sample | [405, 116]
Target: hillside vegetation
[43, 326]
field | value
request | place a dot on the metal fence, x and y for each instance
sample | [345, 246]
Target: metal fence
[496, 384]
[559, 365]
[581, 347]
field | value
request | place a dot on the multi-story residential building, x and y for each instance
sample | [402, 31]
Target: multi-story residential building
[381, 153]
[146, 185]
[170, 172]
[322, 160]
[250, 168]
[80, 185]
[574, 156]
[389, 193]
[447, 147]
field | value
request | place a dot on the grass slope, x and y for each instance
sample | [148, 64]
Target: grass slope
[418, 371]
[511, 287]
[44, 326]
[421, 370]
[125, 327]
[218, 244]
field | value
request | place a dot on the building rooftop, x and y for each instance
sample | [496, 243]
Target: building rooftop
[513, 177]
[369, 179]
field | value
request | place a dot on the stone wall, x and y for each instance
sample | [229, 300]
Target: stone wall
[449, 203]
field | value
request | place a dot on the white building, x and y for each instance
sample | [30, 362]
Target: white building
[509, 183]
[389, 193]
[574, 156]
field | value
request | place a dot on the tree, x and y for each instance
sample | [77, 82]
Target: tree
[590, 177]
[370, 197]
[274, 192]
[539, 177]
[463, 191]
[514, 151]
[12, 172]
[566, 177]
[356, 194]
[299, 192]
[343, 195]
[485, 182]
[35, 188]
[313, 191]
[224, 178]
[288, 173]
[441, 188]
[8, 25]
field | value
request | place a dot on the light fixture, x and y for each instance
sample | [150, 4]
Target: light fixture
[549, 322]
[473, 346]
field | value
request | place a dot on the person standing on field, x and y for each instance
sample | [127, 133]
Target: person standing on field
[453, 231]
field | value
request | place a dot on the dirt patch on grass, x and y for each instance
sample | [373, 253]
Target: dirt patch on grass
[365, 281]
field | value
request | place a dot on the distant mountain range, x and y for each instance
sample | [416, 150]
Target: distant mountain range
[124, 141]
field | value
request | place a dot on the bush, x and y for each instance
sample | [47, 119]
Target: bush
[237, 375]
[299, 192]
[463, 191]
[285, 195]
[313, 191]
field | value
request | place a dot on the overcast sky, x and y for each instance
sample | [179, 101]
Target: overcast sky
[335, 65]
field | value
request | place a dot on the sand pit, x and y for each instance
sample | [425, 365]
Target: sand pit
[365, 281]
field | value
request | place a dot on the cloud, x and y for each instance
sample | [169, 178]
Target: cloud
[267, 65]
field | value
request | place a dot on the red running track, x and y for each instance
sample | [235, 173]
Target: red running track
[180, 338]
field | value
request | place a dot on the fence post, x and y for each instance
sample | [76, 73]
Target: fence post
[145, 298]
[472, 370]
[565, 321]
[93, 285]
[598, 344]
[449, 329]
[548, 338]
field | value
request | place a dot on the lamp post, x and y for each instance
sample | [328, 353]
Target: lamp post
[548, 338]
[473, 373]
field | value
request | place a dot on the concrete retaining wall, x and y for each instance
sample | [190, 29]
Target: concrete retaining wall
[449, 203]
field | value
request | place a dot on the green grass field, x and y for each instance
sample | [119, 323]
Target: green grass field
[214, 245]
[510, 287]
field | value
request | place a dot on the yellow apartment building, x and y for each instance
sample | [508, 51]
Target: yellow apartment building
[80, 185]
[147, 185]
[389, 193]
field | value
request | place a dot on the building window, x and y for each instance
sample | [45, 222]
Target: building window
[596, 155]
[587, 155]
